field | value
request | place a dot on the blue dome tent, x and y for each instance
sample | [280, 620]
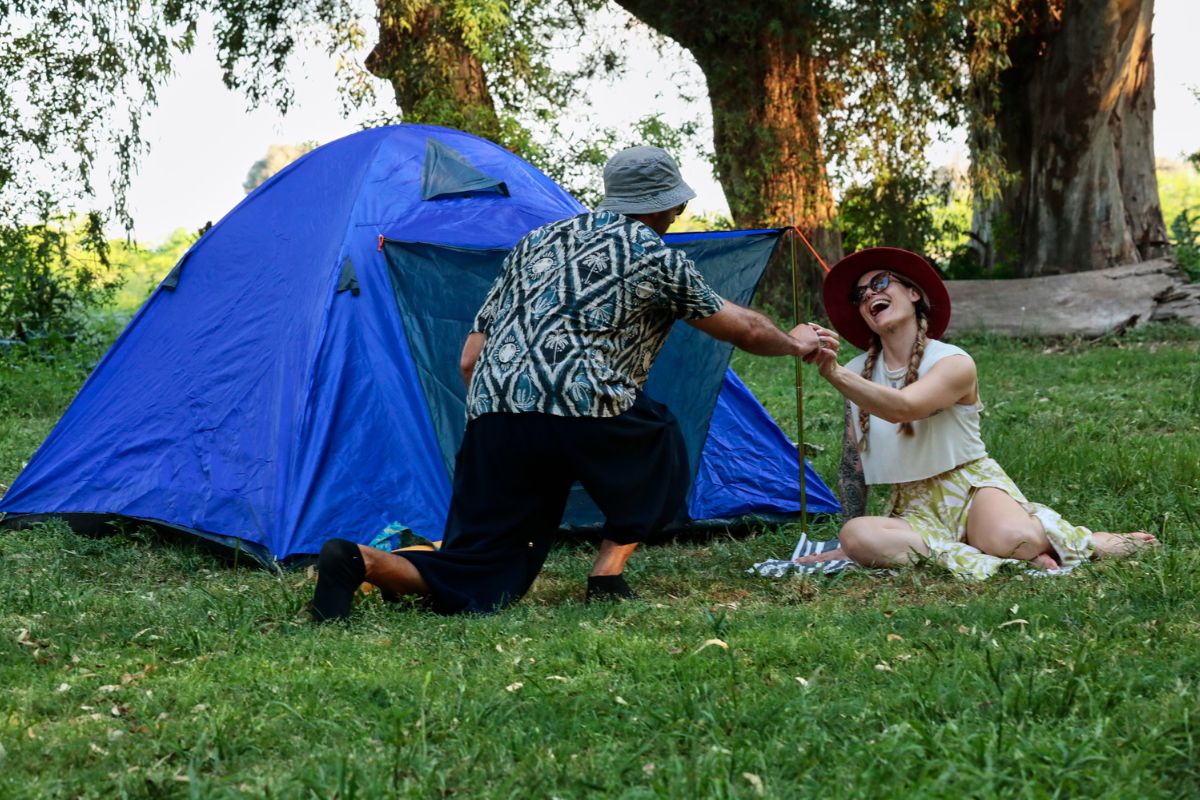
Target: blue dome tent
[295, 377]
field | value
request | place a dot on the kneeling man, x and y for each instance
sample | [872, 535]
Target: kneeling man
[555, 365]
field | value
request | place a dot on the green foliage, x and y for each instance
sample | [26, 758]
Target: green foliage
[1185, 241]
[1178, 187]
[928, 213]
[134, 666]
[78, 77]
[1179, 194]
[700, 221]
[53, 275]
[142, 269]
[897, 210]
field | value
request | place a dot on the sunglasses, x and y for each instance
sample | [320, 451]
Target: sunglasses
[877, 284]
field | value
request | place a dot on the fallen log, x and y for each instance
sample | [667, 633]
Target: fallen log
[1085, 304]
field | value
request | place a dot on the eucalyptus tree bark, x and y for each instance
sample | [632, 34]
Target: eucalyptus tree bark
[438, 80]
[1076, 128]
[765, 85]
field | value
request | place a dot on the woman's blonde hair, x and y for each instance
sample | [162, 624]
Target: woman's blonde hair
[914, 363]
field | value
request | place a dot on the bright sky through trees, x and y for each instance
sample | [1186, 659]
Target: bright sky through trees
[203, 141]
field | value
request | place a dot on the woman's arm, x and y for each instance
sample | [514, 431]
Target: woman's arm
[949, 381]
[852, 486]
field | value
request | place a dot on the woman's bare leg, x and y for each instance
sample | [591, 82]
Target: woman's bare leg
[881, 542]
[999, 526]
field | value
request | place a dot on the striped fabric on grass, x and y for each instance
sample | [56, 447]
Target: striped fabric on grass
[780, 568]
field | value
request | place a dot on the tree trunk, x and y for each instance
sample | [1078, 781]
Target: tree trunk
[1076, 126]
[436, 77]
[765, 88]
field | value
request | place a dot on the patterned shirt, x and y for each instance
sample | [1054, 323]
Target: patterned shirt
[577, 316]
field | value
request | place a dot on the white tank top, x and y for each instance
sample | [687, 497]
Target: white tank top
[941, 442]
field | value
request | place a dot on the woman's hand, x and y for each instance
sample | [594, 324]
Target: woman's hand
[827, 362]
[825, 339]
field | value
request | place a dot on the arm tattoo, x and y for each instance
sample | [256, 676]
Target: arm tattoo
[852, 487]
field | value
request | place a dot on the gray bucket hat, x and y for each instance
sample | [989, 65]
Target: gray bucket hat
[643, 180]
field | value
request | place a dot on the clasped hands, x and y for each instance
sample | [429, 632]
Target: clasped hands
[823, 344]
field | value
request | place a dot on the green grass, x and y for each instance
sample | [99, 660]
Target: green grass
[142, 668]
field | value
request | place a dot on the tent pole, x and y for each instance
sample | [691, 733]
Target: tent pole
[799, 384]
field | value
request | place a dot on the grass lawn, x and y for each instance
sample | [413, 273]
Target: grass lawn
[136, 667]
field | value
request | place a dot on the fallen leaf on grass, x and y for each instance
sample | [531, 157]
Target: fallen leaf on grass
[1014, 622]
[63, 687]
[514, 687]
[620, 701]
[559, 678]
[648, 769]
[108, 688]
[97, 749]
[882, 666]
[23, 638]
[130, 677]
[714, 642]
[802, 680]
[756, 782]
[895, 637]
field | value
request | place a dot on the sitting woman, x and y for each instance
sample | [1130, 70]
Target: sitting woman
[912, 421]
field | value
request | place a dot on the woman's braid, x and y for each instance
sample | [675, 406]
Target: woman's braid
[914, 363]
[864, 419]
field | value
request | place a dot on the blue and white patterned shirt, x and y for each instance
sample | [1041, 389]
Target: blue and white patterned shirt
[577, 316]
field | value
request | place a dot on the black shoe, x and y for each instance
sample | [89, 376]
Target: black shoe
[608, 588]
[340, 571]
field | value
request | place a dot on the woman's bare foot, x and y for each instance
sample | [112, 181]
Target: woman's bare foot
[1120, 545]
[835, 554]
[1044, 561]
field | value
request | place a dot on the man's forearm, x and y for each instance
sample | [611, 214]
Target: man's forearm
[762, 338]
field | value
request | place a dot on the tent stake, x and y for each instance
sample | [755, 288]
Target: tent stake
[799, 384]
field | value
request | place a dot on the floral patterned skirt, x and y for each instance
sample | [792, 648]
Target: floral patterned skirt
[937, 507]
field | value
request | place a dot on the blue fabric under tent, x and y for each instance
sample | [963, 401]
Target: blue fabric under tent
[269, 394]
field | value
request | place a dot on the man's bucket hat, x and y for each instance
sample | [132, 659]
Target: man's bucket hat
[643, 180]
[846, 273]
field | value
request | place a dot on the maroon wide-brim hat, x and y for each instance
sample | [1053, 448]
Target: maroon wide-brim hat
[846, 273]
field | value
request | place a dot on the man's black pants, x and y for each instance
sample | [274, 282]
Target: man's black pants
[512, 477]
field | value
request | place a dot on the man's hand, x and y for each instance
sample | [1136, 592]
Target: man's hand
[808, 339]
[815, 339]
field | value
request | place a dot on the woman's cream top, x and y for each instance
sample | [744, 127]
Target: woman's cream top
[941, 442]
